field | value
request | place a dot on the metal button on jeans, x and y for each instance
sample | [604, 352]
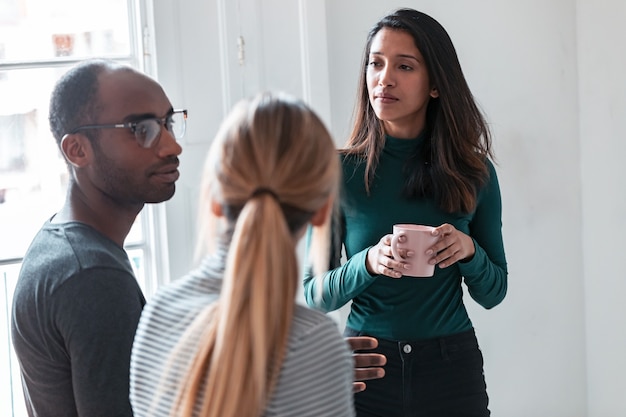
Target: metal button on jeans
[407, 348]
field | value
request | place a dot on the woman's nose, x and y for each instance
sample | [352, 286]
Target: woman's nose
[385, 77]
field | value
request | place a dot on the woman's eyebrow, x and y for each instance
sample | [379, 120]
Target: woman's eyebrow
[409, 56]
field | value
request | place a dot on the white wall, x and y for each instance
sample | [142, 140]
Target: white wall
[549, 76]
[202, 67]
[602, 65]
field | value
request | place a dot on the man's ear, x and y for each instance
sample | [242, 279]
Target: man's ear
[77, 149]
[322, 213]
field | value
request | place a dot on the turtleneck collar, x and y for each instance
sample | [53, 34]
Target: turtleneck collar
[404, 147]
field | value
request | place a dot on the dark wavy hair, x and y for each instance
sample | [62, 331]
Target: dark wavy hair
[452, 165]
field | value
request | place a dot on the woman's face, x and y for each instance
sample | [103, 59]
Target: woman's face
[398, 84]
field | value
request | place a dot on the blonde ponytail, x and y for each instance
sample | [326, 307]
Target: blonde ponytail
[271, 167]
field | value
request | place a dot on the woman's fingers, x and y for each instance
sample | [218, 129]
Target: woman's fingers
[452, 247]
[380, 260]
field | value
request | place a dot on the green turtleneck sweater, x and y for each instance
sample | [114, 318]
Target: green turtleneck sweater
[409, 308]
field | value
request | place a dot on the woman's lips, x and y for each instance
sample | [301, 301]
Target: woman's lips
[386, 98]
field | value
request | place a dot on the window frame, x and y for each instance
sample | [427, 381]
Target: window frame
[153, 242]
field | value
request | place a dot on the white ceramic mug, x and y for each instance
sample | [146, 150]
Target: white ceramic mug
[418, 239]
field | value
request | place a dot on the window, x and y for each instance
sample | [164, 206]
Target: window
[39, 41]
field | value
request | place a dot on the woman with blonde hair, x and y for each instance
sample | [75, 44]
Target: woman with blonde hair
[229, 339]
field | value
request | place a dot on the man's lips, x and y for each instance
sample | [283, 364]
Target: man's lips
[168, 174]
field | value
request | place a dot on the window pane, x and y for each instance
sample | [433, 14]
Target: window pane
[32, 173]
[137, 261]
[44, 29]
[135, 236]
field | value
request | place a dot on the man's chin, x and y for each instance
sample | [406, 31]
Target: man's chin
[164, 196]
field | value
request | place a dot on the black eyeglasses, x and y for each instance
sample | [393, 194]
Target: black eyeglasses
[148, 131]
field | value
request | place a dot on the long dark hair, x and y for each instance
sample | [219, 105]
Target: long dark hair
[452, 165]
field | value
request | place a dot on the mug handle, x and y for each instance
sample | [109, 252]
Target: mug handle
[394, 246]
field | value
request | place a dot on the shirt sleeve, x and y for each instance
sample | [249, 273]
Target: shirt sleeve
[97, 313]
[486, 273]
[333, 289]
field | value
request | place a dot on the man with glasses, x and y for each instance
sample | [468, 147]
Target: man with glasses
[77, 303]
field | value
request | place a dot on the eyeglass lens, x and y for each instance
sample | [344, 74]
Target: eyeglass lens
[176, 124]
[147, 131]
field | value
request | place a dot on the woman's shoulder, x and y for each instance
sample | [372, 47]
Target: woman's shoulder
[175, 305]
[201, 283]
[187, 288]
[491, 169]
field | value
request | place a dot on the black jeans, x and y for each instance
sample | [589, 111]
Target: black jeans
[440, 377]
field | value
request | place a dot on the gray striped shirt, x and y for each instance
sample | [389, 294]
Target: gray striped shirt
[316, 375]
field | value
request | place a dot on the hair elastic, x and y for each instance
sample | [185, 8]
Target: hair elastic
[264, 190]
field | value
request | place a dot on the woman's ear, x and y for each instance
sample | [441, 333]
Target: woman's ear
[320, 216]
[216, 208]
[77, 149]
[434, 93]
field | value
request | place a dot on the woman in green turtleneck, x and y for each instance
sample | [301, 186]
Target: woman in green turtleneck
[419, 153]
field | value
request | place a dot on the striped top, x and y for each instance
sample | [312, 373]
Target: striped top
[315, 378]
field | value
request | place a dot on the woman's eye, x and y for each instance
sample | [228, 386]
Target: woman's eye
[406, 67]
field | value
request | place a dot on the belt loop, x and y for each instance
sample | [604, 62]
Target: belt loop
[444, 349]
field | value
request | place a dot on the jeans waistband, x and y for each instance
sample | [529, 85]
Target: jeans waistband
[462, 337]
